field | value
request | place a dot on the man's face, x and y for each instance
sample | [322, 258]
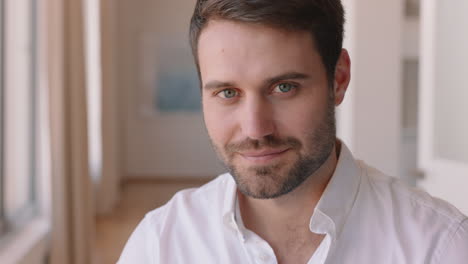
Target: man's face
[267, 105]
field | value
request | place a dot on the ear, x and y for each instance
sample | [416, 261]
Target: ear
[342, 76]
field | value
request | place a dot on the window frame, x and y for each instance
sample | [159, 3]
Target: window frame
[2, 211]
[11, 224]
[27, 231]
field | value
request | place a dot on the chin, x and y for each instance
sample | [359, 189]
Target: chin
[264, 182]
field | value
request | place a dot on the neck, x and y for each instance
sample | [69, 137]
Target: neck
[272, 219]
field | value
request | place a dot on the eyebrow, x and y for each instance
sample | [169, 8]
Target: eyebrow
[213, 85]
[287, 76]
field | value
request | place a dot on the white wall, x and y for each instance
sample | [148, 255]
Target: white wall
[370, 119]
[451, 91]
[156, 145]
[443, 110]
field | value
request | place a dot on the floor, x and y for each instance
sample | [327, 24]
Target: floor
[138, 198]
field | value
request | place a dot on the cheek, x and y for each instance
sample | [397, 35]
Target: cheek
[219, 124]
[298, 120]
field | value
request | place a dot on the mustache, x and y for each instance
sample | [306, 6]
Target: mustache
[269, 141]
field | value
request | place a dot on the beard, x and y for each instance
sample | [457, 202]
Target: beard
[272, 181]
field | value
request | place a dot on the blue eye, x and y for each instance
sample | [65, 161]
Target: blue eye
[284, 87]
[228, 93]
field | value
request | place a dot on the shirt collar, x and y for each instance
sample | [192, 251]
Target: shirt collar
[231, 211]
[334, 206]
[229, 198]
[338, 198]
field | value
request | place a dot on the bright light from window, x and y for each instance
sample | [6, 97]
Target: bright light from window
[93, 82]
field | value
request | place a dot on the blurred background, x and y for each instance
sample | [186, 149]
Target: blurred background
[100, 116]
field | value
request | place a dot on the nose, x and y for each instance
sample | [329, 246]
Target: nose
[257, 119]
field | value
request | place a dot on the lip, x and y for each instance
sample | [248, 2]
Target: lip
[264, 155]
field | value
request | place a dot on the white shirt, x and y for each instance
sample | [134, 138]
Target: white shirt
[367, 217]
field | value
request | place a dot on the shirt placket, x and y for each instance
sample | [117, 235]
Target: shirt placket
[259, 250]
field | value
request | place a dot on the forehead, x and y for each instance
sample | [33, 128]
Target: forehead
[230, 50]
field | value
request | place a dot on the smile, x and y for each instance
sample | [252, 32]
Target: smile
[263, 156]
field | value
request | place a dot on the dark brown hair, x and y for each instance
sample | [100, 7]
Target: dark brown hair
[324, 19]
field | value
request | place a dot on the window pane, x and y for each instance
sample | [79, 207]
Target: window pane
[18, 145]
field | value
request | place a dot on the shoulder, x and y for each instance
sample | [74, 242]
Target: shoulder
[411, 198]
[416, 215]
[193, 203]
[186, 210]
[197, 198]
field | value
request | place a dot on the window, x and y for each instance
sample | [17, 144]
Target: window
[17, 113]
[2, 225]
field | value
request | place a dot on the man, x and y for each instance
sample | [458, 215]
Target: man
[272, 72]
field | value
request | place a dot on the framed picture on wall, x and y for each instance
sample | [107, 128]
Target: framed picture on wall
[169, 75]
